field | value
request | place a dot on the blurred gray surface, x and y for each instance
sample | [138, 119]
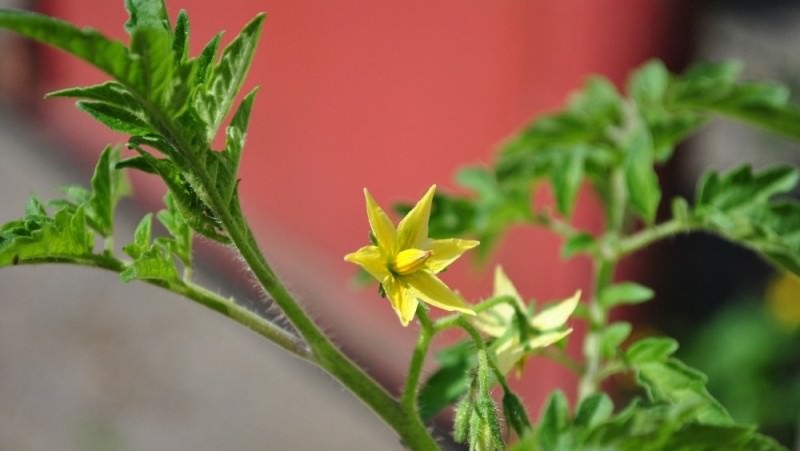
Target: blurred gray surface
[87, 363]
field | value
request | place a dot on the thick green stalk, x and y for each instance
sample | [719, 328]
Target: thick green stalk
[326, 354]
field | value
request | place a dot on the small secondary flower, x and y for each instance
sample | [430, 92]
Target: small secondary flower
[405, 260]
[546, 327]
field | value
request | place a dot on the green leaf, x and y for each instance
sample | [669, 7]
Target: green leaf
[648, 84]
[141, 238]
[154, 264]
[612, 337]
[741, 189]
[180, 41]
[705, 83]
[151, 261]
[596, 408]
[567, 174]
[236, 134]
[110, 56]
[152, 47]
[640, 176]
[196, 212]
[674, 382]
[110, 92]
[598, 103]
[580, 242]
[624, 293]
[38, 237]
[226, 77]
[108, 186]
[146, 14]
[181, 234]
[116, 118]
[651, 349]
[554, 420]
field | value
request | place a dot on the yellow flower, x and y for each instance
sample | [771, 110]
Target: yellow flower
[405, 260]
[547, 326]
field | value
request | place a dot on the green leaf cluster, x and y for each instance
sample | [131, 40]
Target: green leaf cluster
[68, 233]
[652, 427]
[612, 141]
[170, 103]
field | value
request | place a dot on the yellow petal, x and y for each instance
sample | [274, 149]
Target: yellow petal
[503, 285]
[546, 339]
[430, 289]
[372, 259]
[444, 252]
[410, 260]
[413, 229]
[507, 355]
[381, 225]
[557, 315]
[403, 301]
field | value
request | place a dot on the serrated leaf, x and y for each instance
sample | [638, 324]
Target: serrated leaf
[226, 77]
[197, 214]
[33, 238]
[741, 188]
[651, 349]
[624, 293]
[116, 118]
[612, 336]
[596, 408]
[155, 263]
[87, 44]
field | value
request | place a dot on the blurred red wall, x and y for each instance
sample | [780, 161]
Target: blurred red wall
[393, 96]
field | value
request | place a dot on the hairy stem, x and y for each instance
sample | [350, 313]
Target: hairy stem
[225, 306]
[409, 399]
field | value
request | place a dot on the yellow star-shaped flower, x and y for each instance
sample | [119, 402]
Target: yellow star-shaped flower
[549, 324]
[405, 261]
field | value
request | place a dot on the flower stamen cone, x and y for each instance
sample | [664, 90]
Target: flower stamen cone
[405, 260]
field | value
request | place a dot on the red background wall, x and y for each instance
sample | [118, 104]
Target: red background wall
[393, 96]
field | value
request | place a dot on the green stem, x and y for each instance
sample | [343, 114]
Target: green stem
[603, 276]
[226, 306]
[409, 399]
[649, 235]
[479, 343]
[326, 354]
